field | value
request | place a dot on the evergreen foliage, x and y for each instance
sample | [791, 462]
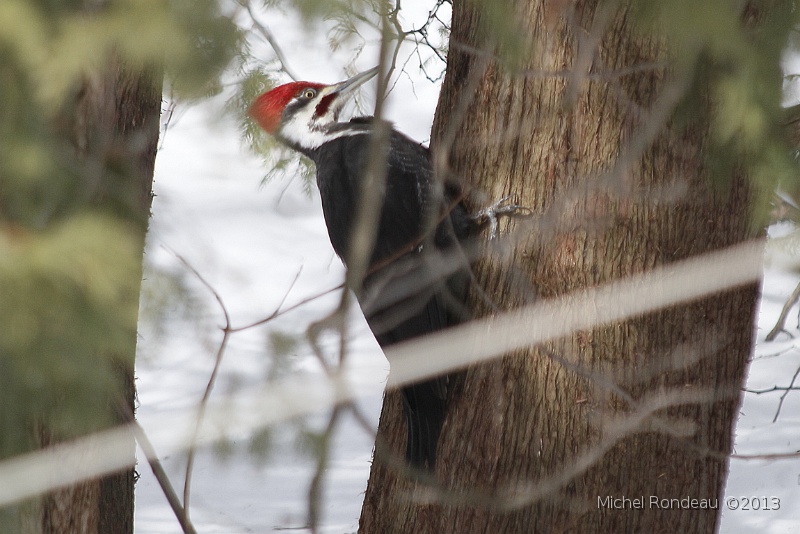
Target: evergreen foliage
[71, 232]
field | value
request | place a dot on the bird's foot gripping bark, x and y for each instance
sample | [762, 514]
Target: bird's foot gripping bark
[502, 208]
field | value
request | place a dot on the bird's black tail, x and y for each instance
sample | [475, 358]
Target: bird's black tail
[424, 404]
[408, 299]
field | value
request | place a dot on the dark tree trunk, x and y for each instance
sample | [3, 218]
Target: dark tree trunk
[114, 126]
[617, 189]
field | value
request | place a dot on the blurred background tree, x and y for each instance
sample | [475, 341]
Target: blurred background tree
[80, 100]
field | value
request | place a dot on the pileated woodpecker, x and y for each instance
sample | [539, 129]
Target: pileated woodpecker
[417, 279]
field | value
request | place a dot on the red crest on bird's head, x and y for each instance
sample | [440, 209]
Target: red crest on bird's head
[268, 108]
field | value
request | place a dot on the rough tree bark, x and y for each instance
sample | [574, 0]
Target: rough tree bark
[566, 145]
[113, 124]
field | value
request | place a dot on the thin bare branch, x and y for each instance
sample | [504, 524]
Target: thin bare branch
[201, 409]
[362, 241]
[270, 38]
[780, 324]
[227, 331]
[315, 489]
[588, 44]
[769, 456]
[785, 394]
[772, 389]
[158, 471]
[279, 312]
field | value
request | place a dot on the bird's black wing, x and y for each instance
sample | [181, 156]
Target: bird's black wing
[416, 285]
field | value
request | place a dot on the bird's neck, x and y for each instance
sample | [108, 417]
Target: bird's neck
[313, 139]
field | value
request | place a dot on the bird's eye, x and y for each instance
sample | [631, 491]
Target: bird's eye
[309, 93]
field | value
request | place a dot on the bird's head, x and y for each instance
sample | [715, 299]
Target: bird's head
[302, 113]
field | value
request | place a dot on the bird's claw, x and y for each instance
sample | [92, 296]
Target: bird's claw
[501, 208]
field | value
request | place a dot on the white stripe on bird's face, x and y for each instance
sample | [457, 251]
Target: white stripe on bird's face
[304, 126]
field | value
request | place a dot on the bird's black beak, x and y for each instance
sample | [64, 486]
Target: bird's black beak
[343, 89]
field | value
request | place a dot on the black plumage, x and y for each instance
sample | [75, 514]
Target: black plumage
[416, 283]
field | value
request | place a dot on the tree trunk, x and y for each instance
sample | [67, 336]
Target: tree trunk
[113, 124]
[617, 189]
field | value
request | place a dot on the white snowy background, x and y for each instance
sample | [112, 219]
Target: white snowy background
[250, 240]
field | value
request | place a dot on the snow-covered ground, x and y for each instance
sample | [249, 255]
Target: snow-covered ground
[250, 241]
